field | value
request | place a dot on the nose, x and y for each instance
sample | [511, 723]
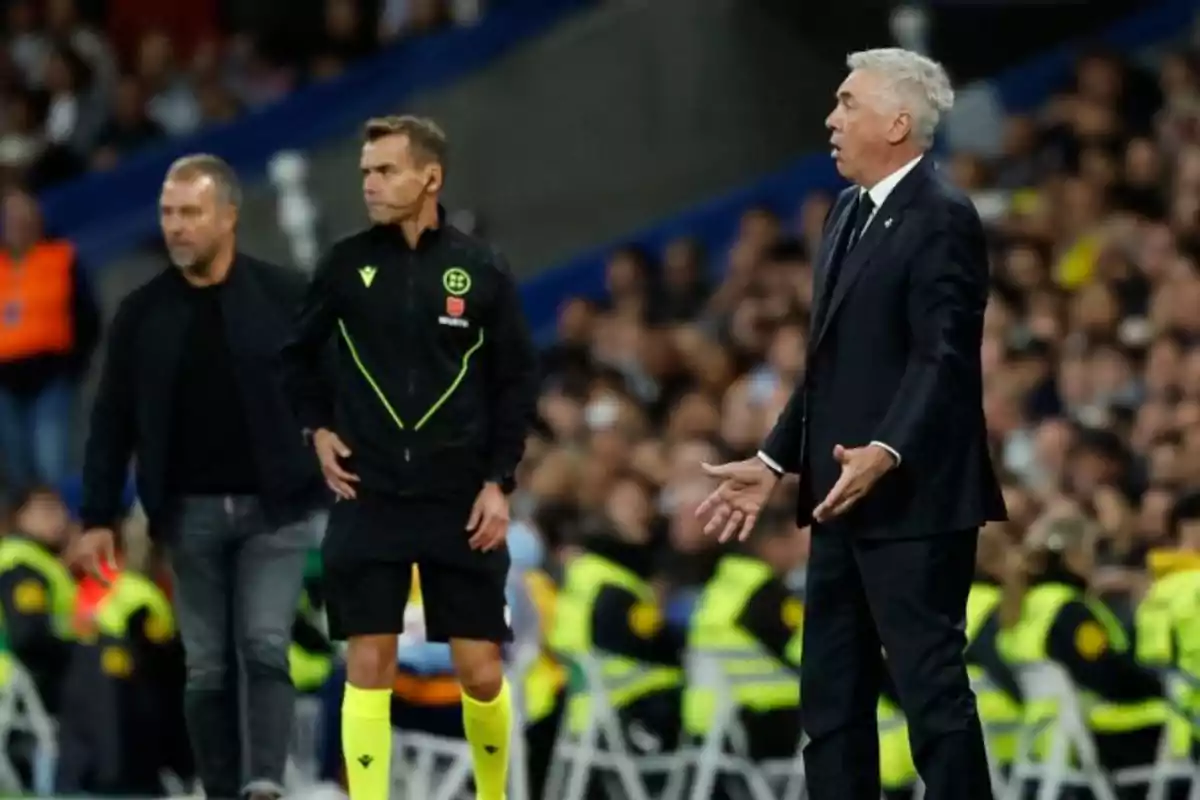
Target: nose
[831, 120]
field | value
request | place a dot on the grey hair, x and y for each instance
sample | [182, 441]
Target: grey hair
[215, 168]
[918, 84]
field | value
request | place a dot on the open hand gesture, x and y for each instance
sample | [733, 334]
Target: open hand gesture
[733, 507]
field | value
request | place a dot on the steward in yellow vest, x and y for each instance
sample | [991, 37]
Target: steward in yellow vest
[749, 622]
[37, 593]
[545, 684]
[997, 692]
[311, 654]
[1048, 615]
[130, 675]
[1168, 621]
[608, 610]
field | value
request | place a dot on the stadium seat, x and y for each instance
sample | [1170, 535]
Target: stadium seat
[524, 656]
[22, 711]
[429, 767]
[602, 747]
[981, 684]
[1169, 766]
[724, 751]
[1070, 759]
[302, 767]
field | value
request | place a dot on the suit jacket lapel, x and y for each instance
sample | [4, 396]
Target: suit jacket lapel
[886, 219]
[831, 247]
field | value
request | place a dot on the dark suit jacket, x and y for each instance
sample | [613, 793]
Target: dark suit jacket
[132, 413]
[895, 359]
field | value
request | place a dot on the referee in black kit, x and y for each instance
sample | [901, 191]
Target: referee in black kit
[420, 437]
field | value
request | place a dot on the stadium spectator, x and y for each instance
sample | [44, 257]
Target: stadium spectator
[129, 129]
[49, 328]
[67, 106]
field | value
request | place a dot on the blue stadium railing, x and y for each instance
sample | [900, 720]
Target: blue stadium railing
[107, 213]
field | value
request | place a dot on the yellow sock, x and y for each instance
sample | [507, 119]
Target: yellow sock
[488, 726]
[367, 742]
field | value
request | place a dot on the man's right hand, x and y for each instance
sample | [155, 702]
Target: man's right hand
[330, 449]
[96, 553]
[733, 507]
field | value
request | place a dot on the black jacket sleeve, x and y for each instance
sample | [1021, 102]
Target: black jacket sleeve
[983, 652]
[947, 293]
[1078, 641]
[785, 442]
[86, 315]
[512, 379]
[25, 599]
[767, 618]
[112, 432]
[624, 626]
[304, 354]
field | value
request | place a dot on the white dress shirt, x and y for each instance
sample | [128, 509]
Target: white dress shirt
[879, 193]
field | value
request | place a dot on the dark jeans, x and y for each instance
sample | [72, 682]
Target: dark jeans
[35, 435]
[237, 588]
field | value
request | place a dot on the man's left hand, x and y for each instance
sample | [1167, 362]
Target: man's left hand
[488, 522]
[861, 468]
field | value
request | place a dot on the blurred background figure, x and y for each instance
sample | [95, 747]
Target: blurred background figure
[49, 327]
[37, 600]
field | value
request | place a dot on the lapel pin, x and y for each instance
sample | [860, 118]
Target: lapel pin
[887, 223]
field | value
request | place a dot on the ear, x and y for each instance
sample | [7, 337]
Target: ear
[901, 128]
[230, 216]
[433, 178]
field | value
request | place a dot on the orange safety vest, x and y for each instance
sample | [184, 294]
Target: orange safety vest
[36, 301]
[87, 600]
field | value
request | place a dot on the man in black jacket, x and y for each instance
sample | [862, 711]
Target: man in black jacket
[435, 392]
[192, 390]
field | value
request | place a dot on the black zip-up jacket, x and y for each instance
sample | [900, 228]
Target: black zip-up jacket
[436, 374]
[132, 415]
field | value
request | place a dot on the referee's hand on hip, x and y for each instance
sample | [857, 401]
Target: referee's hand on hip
[330, 449]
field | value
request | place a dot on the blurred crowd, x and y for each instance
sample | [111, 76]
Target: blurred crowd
[1092, 334]
[1091, 352]
[82, 85]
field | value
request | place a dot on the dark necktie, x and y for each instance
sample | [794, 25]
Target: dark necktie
[862, 213]
[866, 206]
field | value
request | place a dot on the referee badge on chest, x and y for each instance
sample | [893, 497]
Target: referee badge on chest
[456, 307]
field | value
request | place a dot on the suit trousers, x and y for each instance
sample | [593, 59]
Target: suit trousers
[899, 605]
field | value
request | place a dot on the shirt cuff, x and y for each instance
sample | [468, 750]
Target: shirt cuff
[891, 451]
[771, 463]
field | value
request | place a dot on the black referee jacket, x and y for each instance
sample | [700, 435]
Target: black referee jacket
[436, 373]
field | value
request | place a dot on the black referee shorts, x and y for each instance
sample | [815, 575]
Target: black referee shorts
[368, 554]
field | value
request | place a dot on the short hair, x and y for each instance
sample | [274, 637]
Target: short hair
[426, 138]
[215, 168]
[920, 85]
